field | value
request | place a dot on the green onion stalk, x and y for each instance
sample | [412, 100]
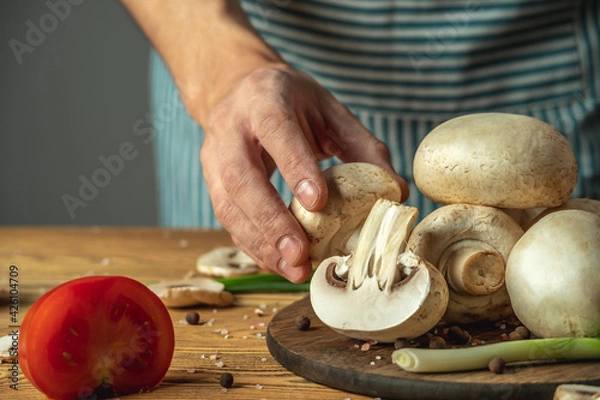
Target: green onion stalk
[264, 282]
[478, 357]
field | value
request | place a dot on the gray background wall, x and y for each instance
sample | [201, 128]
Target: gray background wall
[73, 82]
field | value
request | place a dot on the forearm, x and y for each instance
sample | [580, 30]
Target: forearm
[207, 45]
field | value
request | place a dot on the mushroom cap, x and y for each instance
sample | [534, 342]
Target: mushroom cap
[192, 292]
[553, 275]
[572, 391]
[226, 262]
[584, 204]
[496, 159]
[450, 226]
[412, 308]
[353, 189]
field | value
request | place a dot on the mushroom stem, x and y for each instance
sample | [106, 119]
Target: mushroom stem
[472, 267]
[382, 239]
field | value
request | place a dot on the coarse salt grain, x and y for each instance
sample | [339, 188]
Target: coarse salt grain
[228, 336]
[258, 386]
[372, 363]
[191, 370]
[378, 357]
[105, 261]
[263, 359]
[220, 364]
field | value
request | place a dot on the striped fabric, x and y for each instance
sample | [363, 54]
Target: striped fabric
[402, 67]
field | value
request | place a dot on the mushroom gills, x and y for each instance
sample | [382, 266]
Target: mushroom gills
[386, 293]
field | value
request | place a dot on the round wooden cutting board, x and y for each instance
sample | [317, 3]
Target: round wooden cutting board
[324, 356]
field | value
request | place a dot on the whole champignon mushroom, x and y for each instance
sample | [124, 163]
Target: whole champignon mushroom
[380, 292]
[496, 159]
[584, 204]
[353, 190]
[192, 292]
[553, 275]
[470, 245]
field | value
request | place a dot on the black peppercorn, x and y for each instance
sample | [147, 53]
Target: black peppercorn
[496, 365]
[226, 380]
[302, 323]
[192, 318]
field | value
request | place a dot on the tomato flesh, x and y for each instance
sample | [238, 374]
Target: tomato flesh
[96, 336]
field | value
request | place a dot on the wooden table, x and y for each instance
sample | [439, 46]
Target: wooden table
[48, 256]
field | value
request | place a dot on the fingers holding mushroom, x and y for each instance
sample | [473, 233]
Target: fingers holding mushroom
[470, 245]
[353, 190]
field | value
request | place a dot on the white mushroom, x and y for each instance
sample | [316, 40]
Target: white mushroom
[496, 159]
[470, 245]
[553, 275]
[353, 189]
[380, 292]
[226, 262]
[525, 216]
[577, 392]
[584, 204]
[193, 292]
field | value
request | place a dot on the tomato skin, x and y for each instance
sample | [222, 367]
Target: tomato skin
[93, 337]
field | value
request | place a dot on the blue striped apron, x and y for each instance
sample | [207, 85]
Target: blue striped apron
[402, 67]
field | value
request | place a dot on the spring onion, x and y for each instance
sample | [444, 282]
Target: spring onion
[264, 282]
[478, 357]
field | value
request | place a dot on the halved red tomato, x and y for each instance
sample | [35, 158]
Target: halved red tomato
[96, 337]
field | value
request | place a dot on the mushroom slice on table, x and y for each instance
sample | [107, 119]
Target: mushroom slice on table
[380, 292]
[353, 188]
[470, 245]
[496, 159]
[226, 262]
[193, 292]
[553, 275]
[577, 392]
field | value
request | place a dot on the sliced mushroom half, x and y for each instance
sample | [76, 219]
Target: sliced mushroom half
[380, 292]
[193, 292]
[226, 262]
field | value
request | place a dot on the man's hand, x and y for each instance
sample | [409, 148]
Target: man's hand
[278, 117]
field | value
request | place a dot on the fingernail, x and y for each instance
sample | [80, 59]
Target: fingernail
[289, 247]
[291, 273]
[307, 193]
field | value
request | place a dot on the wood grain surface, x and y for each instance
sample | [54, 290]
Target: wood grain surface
[327, 357]
[48, 256]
